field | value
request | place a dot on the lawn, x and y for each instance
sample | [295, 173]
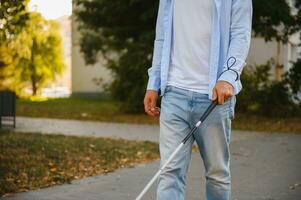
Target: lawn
[79, 108]
[31, 160]
[106, 110]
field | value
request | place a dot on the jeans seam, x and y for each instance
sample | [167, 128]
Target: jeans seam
[231, 107]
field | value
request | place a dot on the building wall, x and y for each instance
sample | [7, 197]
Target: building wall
[261, 51]
[283, 54]
[86, 79]
[64, 80]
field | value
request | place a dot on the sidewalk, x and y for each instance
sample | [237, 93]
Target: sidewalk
[102, 129]
[264, 166]
[88, 128]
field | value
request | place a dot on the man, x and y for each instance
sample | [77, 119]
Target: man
[199, 53]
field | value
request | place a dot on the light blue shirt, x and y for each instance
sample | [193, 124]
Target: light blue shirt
[230, 42]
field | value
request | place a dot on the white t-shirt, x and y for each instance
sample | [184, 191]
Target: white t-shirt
[189, 66]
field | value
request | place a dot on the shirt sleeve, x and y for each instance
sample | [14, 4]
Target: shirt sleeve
[154, 74]
[240, 37]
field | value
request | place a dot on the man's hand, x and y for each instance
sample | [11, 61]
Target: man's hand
[150, 101]
[222, 91]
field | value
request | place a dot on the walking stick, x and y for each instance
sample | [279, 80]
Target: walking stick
[202, 119]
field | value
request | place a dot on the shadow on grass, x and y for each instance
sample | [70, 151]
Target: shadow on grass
[31, 160]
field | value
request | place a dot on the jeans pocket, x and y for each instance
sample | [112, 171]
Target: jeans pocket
[224, 111]
[167, 90]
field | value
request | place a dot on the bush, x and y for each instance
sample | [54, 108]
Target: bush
[293, 79]
[264, 96]
[130, 79]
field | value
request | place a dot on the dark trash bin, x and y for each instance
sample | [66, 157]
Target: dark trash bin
[7, 108]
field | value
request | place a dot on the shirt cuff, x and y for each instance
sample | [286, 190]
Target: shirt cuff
[230, 77]
[153, 83]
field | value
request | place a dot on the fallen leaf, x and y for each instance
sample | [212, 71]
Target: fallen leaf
[53, 169]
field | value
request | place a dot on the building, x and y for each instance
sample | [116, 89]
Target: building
[283, 54]
[87, 80]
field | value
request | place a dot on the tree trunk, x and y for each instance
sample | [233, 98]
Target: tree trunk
[34, 85]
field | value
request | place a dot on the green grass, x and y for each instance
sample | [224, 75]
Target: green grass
[30, 160]
[106, 110]
[266, 124]
[82, 109]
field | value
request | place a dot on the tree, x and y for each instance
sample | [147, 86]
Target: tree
[126, 27]
[293, 76]
[298, 16]
[13, 16]
[40, 54]
[273, 19]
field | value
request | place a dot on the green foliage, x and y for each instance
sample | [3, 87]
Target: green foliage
[261, 95]
[293, 78]
[123, 23]
[272, 19]
[30, 48]
[13, 16]
[38, 55]
[123, 32]
[129, 82]
[253, 79]
[124, 35]
[298, 16]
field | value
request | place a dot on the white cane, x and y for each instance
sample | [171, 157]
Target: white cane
[203, 117]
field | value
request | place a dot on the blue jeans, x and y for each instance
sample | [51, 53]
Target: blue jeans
[180, 110]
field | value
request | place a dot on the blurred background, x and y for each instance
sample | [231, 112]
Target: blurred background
[102, 49]
[88, 60]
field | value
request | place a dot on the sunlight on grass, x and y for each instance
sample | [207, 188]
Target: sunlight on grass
[108, 111]
[38, 99]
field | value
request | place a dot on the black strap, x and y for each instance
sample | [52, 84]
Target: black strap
[229, 67]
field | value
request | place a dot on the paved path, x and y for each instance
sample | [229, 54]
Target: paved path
[87, 128]
[100, 129]
[264, 166]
